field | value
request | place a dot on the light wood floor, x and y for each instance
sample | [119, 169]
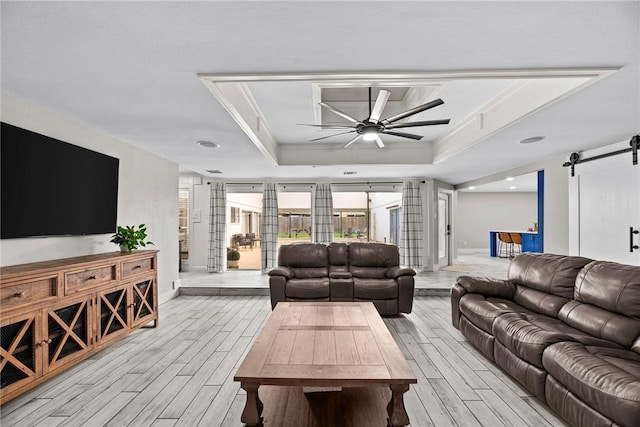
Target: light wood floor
[181, 374]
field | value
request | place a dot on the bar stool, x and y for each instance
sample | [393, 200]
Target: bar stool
[504, 241]
[516, 238]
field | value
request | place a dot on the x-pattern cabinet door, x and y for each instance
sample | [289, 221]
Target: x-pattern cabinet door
[113, 319]
[20, 350]
[69, 332]
[143, 302]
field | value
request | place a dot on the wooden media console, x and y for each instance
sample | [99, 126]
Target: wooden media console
[54, 314]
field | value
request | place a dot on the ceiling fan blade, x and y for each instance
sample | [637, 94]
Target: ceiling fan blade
[411, 112]
[338, 112]
[416, 124]
[331, 136]
[327, 126]
[403, 134]
[352, 141]
[379, 141]
[381, 101]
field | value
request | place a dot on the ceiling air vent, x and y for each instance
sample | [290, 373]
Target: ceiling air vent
[349, 172]
[214, 171]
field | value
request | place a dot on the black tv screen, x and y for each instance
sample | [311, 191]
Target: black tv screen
[52, 188]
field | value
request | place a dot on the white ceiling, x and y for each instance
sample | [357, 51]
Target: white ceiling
[131, 70]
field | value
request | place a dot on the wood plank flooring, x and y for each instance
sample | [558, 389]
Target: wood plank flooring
[181, 374]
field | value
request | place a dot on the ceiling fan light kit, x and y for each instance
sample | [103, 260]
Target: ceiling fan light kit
[371, 128]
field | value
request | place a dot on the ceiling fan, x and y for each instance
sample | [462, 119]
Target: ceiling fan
[372, 127]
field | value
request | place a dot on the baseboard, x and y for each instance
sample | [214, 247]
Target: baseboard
[212, 291]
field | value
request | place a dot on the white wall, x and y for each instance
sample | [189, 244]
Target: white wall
[380, 222]
[478, 213]
[147, 193]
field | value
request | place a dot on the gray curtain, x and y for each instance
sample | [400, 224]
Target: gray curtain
[322, 214]
[269, 242]
[217, 259]
[411, 234]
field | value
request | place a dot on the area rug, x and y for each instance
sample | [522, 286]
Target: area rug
[461, 268]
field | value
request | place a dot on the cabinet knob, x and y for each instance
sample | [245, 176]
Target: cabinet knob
[137, 266]
[18, 294]
[91, 278]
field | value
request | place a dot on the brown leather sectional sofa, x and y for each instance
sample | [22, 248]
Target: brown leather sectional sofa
[566, 328]
[343, 272]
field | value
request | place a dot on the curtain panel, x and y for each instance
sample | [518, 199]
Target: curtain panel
[269, 239]
[322, 214]
[411, 226]
[217, 259]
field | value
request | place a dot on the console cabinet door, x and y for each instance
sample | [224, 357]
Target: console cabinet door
[143, 302]
[20, 350]
[113, 314]
[68, 332]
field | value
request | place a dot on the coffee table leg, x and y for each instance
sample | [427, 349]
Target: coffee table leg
[397, 413]
[253, 406]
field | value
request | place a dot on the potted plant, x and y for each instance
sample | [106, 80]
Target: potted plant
[233, 258]
[130, 237]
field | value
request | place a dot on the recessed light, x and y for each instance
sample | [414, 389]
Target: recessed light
[510, 178]
[513, 187]
[208, 144]
[532, 140]
[472, 188]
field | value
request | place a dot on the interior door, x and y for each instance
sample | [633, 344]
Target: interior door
[609, 203]
[444, 229]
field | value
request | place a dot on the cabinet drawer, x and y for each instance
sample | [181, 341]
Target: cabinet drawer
[29, 292]
[131, 268]
[89, 278]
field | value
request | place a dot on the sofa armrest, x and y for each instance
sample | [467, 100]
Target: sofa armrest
[282, 271]
[406, 286]
[340, 275]
[395, 272]
[487, 286]
[457, 292]
[277, 285]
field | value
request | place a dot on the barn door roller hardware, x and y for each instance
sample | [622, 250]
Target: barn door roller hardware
[575, 159]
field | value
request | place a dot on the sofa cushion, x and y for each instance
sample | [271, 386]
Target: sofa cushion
[606, 379]
[374, 289]
[538, 301]
[307, 288]
[549, 273]
[338, 254]
[528, 335]
[482, 311]
[373, 255]
[601, 323]
[310, 273]
[304, 255]
[611, 286]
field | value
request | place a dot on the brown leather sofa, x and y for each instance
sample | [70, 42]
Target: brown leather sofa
[566, 328]
[343, 272]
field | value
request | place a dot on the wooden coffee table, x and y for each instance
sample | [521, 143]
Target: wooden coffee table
[325, 344]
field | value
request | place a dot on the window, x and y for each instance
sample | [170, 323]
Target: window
[235, 215]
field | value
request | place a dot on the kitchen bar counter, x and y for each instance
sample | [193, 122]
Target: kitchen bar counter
[530, 241]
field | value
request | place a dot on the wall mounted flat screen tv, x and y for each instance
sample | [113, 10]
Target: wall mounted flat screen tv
[52, 188]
